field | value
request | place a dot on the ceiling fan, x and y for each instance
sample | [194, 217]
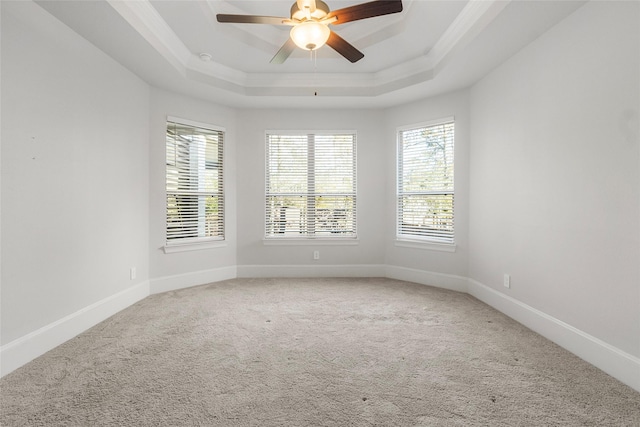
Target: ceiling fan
[310, 20]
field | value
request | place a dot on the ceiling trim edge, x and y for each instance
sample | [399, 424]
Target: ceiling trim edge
[143, 17]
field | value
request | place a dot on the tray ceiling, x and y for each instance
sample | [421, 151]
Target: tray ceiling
[429, 48]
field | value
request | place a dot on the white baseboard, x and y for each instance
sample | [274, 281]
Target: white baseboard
[26, 348]
[186, 280]
[615, 362]
[350, 270]
[438, 280]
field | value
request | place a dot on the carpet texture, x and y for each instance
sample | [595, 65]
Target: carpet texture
[312, 352]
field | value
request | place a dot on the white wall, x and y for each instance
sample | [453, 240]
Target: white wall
[171, 270]
[74, 173]
[451, 105]
[251, 191]
[555, 182]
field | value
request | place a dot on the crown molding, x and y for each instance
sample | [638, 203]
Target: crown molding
[146, 20]
[474, 17]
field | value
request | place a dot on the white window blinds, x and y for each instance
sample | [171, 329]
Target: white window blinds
[194, 183]
[310, 186]
[425, 183]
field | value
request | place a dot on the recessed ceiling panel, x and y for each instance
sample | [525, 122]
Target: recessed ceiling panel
[428, 48]
[385, 40]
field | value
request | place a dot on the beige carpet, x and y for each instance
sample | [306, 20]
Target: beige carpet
[312, 352]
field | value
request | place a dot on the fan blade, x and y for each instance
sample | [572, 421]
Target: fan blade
[252, 19]
[344, 48]
[284, 52]
[365, 10]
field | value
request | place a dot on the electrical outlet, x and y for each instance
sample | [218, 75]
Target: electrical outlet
[316, 254]
[507, 281]
[132, 273]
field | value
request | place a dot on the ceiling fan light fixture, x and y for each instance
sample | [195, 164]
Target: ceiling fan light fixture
[310, 35]
[311, 19]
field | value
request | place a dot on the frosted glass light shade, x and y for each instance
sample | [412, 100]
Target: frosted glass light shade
[310, 35]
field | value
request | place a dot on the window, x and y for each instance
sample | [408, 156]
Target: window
[195, 199]
[425, 183]
[310, 186]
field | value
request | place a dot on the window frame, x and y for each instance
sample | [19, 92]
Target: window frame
[311, 239]
[199, 242]
[412, 240]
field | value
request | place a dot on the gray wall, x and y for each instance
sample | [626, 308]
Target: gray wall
[455, 105]
[75, 172]
[555, 181]
[251, 186]
[165, 104]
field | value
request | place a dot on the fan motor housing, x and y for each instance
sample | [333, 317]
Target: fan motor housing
[321, 11]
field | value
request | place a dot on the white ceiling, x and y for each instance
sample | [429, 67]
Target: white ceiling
[431, 47]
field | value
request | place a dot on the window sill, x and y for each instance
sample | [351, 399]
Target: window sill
[310, 242]
[170, 249]
[431, 246]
